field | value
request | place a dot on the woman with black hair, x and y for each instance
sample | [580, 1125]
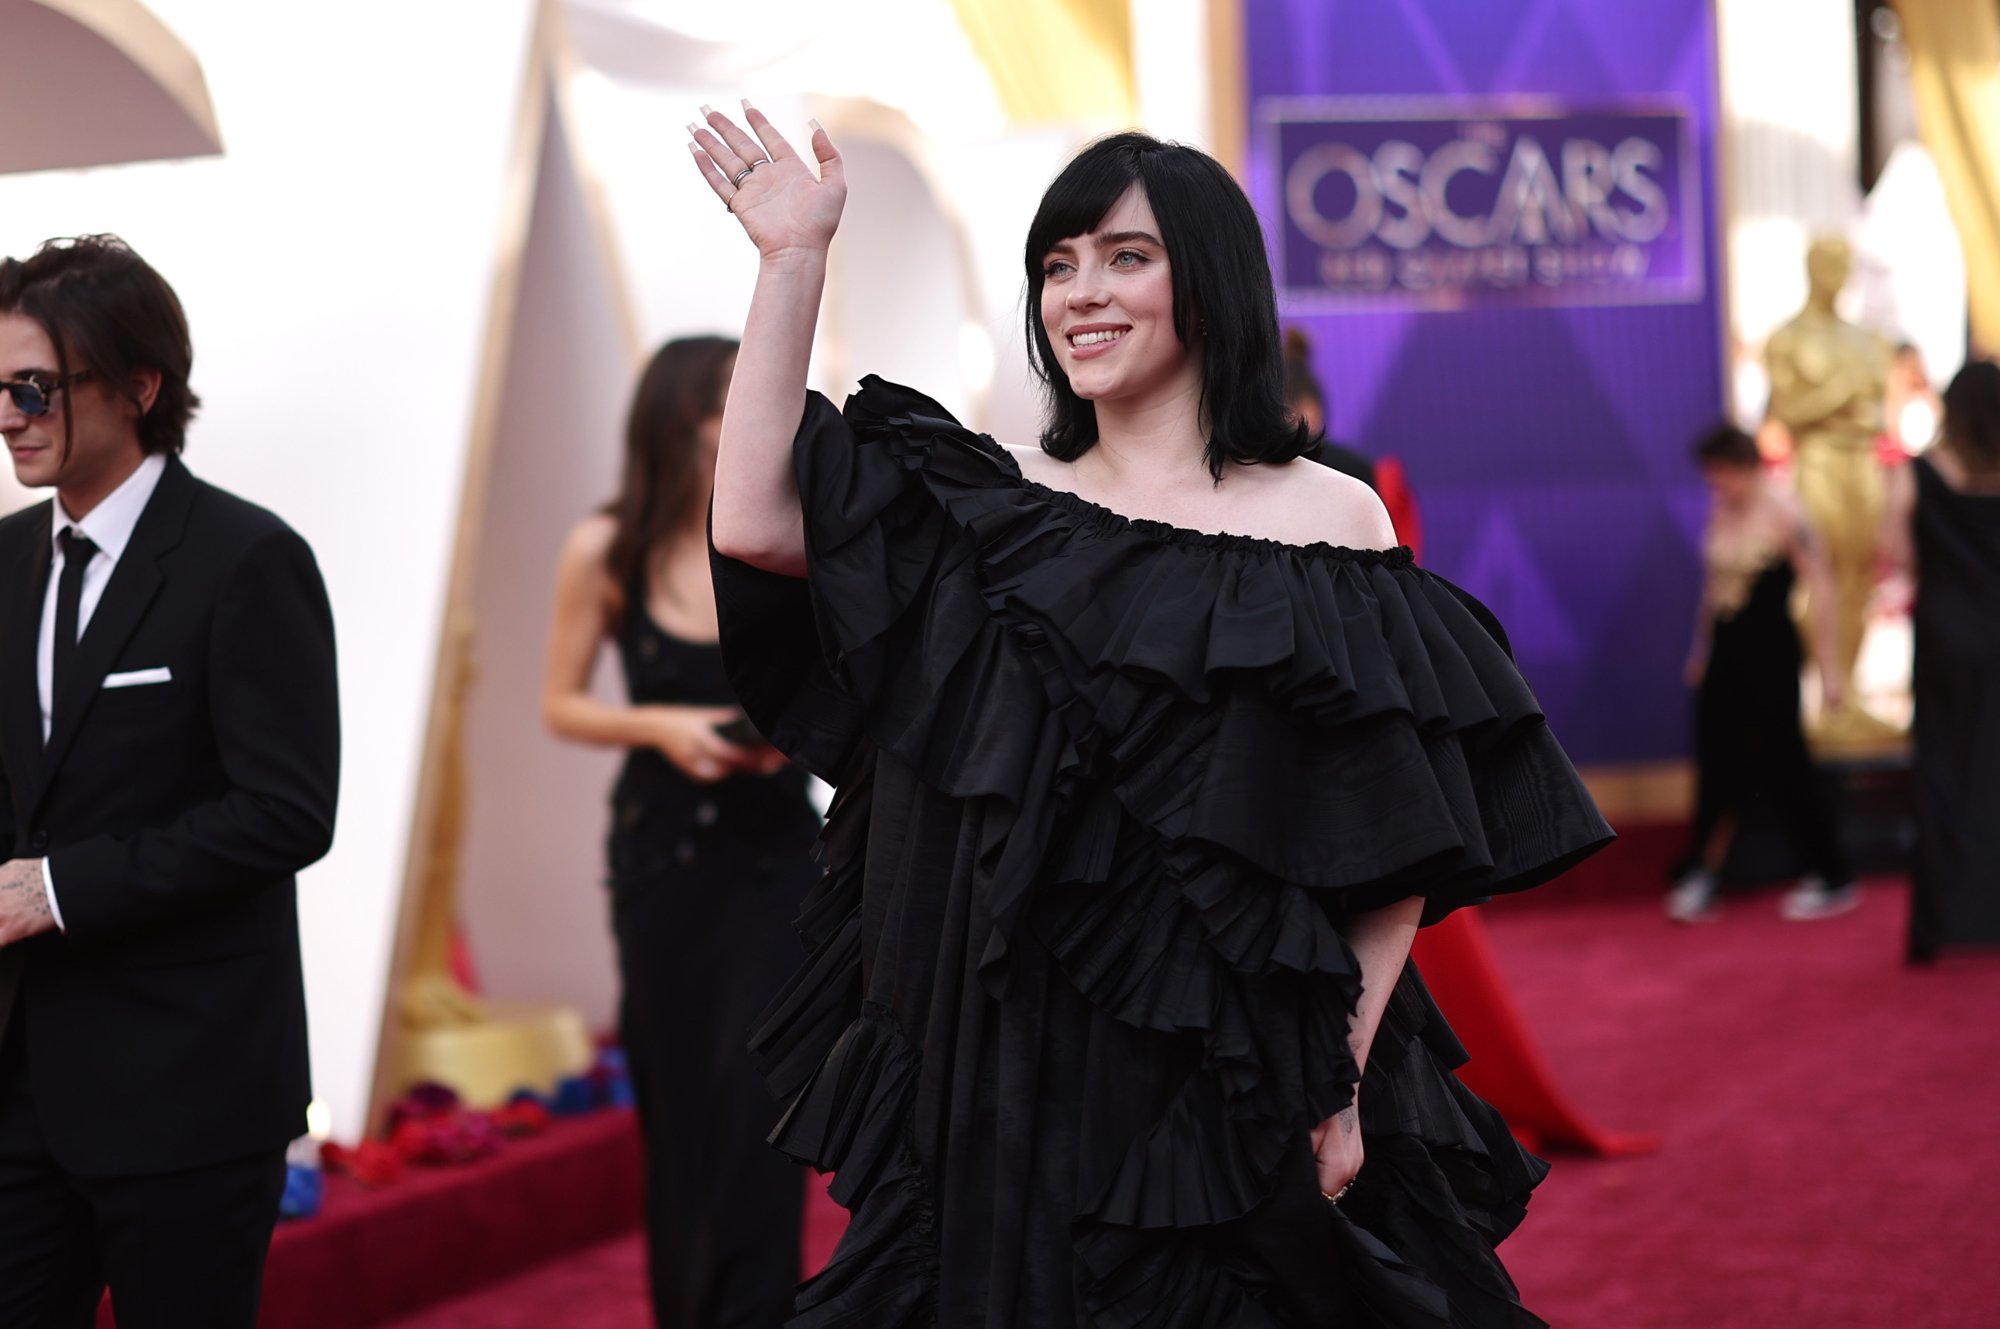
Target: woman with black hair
[1151, 759]
[709, 852]
[1944, 526]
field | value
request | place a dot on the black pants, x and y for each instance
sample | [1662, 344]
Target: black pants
[703, 945]
[183, 1250]
[1751, 760]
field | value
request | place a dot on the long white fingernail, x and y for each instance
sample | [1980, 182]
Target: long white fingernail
[817, 126]
[746, 103]
[693, 128]
[706, 111]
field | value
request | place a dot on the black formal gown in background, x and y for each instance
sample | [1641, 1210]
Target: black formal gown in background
[1107, 790]
[1956, 900]
[705, 883]
[1751, 759]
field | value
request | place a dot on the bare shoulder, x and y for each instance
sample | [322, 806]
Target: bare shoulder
[590, 539]
[585, 563]
[1312, 504]
[1037, 465]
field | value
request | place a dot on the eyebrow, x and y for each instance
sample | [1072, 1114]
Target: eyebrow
[32, 371]
[1109, 240]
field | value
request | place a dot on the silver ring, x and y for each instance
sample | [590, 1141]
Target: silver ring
[738, 178]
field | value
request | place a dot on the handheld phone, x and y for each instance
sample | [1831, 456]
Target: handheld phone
[740, 732]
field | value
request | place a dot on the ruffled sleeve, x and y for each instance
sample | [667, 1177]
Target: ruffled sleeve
[1196, 757]
[1339, 719]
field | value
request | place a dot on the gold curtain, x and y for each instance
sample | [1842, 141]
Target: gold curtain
[1056, 60]
[1955, 68]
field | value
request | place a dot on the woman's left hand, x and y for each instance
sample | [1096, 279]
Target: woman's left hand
[1336, 1146]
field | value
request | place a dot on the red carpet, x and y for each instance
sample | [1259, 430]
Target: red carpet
[1508, 1067]
[441, 1232]
[1831, 1149]
[1829, 1121]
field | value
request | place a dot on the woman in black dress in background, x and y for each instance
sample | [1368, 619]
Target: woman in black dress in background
[1750, 750]
[1136, 819]
[1944, 525]
[709, 858]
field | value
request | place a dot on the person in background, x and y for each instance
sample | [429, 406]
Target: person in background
[169, 761]
[1306, 400]
[1910, 409]
[708, 851]
[1749, 747]
[1944, 528]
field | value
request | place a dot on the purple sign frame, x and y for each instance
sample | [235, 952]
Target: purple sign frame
[1546, 439]
[1438, 205]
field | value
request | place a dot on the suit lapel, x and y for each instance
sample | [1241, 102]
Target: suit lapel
[20, 634]
[134, 583]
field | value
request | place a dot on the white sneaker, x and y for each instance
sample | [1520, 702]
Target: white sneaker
[1692, 900]
[1813, 899]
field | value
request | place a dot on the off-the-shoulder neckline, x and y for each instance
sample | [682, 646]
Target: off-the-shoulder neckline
[1114, 522]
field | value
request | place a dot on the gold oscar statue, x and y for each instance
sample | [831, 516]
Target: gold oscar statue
[484, 1050]
[1828, 381]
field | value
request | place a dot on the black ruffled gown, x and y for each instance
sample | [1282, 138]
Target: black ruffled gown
[1076, 991]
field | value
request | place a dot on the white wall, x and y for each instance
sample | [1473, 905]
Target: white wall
[336, 264]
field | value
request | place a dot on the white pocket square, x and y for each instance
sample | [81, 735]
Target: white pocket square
[138, 678]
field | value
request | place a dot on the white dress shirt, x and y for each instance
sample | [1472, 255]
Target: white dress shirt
[109, 526]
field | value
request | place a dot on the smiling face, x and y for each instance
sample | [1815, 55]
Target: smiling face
[1107, 304]
[102, 429]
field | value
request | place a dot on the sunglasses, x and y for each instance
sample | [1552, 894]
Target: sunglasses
[31, 395]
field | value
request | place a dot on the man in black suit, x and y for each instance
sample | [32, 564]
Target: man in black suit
[169, 751]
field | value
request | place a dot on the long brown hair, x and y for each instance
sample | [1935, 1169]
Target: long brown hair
[683, 385]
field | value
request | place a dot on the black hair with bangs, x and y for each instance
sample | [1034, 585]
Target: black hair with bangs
[1221, 284]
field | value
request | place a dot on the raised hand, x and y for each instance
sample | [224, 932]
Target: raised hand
[784, 207]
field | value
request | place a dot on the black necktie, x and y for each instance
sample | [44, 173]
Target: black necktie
[77, 551]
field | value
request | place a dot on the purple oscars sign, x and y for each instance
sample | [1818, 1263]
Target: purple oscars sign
[1495, 220]
[1457, 203]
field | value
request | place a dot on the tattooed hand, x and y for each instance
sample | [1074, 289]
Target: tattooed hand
[24, 901]
[1336, 1146]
